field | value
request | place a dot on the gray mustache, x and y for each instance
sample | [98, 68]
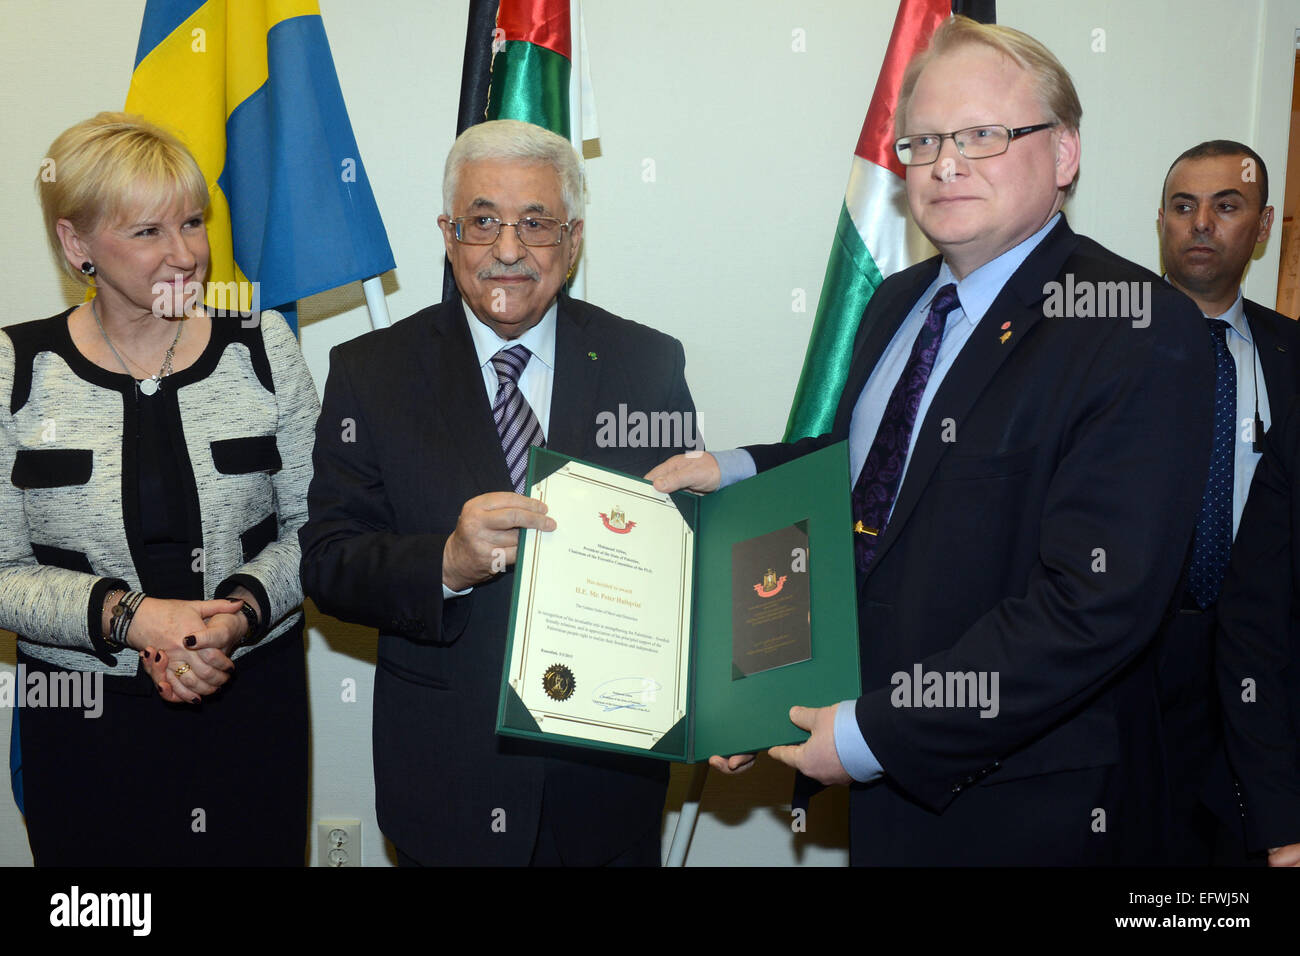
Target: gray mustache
[489, 274]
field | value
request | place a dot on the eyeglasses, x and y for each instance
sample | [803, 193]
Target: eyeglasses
[975, 142]
[533, 231]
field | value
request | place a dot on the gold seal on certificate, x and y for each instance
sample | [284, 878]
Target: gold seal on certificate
[606, 595]
[558, 682]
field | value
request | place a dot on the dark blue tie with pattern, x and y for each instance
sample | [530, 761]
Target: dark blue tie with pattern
[1213, 539]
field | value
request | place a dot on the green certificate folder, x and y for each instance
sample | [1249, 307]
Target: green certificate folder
[681, 626]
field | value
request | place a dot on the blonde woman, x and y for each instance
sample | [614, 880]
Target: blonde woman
[154, 460]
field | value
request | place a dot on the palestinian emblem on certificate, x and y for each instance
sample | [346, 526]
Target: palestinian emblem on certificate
[558, 682]
[616, 521]
[771, 585]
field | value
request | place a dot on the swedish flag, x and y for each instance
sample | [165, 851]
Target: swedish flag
[250, 87]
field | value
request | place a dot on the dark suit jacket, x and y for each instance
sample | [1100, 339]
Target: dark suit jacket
[1259, 640]
[1043, 545]
[406, 437]
[1191, 719]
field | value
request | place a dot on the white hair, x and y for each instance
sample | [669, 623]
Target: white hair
[515, 141]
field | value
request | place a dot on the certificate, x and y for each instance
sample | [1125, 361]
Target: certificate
[680, 626]
[602, 629]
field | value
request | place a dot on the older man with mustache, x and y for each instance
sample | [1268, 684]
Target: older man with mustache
[418, 499]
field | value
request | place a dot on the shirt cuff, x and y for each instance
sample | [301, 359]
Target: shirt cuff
[736, 464]
[448, 593]
[851, 747]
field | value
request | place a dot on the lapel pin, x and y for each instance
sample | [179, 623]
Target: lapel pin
[1006, 333]
[592, 356]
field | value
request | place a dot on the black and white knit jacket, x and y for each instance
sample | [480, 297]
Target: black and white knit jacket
[69, 522]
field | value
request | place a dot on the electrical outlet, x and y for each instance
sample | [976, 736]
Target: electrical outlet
[338, 842]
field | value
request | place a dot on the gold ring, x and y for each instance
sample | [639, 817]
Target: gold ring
[182, 670]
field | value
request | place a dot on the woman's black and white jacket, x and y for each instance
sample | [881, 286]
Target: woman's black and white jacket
[68, 496]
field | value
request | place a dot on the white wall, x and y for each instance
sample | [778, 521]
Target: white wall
[750, 143]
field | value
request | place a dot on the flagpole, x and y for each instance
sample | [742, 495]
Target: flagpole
[578, 283]
[376, 303]
[688, 816]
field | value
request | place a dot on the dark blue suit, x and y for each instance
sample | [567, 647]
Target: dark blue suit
[1259, 636]
[1200, 780]
[1045, 544]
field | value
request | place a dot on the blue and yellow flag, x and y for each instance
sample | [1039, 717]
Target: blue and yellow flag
[249, 86]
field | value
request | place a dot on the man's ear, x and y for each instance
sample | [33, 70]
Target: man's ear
[1068, 151]
[575, 241]
[448, 232]
[1265, 224]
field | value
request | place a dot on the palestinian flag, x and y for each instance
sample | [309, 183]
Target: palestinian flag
[526, 60]
[872, 239]
[531, 70]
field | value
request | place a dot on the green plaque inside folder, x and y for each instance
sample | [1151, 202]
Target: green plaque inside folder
[680, 626]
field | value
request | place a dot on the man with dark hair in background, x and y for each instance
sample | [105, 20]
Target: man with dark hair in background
[1213, 214]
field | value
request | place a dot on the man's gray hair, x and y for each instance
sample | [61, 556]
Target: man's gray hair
[515, 141]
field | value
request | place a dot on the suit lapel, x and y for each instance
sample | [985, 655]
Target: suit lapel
[577, 377]
[1020, 303]
[1276, 364]
[456, 380]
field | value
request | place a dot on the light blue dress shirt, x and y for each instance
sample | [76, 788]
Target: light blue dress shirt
[976, 293]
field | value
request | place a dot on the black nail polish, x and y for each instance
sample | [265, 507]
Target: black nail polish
[157, 657]
[190, 641]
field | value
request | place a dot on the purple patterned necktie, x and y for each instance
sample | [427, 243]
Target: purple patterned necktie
[516, 423]
[882, 472]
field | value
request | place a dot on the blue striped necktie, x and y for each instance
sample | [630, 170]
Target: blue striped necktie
[1213, 539]
[516, 423]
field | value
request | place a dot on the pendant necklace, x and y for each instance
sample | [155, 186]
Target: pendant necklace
[150, 384]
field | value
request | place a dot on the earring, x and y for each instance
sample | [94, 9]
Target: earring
[87, 268]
